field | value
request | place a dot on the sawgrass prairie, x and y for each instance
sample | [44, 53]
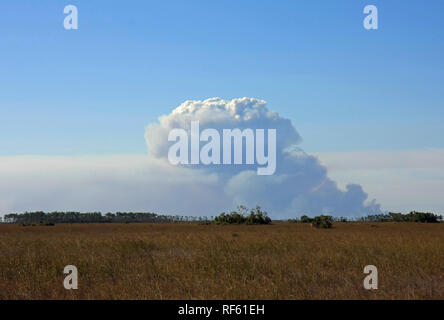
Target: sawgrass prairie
[193, 261]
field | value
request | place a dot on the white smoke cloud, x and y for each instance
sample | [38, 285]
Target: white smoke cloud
[300, 184]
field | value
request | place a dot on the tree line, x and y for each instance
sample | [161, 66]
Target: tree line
[240, 216]
[40, 217]
[413, 216]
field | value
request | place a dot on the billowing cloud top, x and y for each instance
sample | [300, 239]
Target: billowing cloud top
[219, 114]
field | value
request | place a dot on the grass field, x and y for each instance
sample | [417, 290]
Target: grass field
[191, 261]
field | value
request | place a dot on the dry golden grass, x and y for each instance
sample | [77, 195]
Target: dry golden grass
[190, 261]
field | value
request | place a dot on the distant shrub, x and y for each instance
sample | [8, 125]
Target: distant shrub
[243, 216]
[325, 222]
[229, 218]
[47, 224]
[306, 219]
[257, 216]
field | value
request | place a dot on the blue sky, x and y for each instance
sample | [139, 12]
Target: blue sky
[93, 90]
